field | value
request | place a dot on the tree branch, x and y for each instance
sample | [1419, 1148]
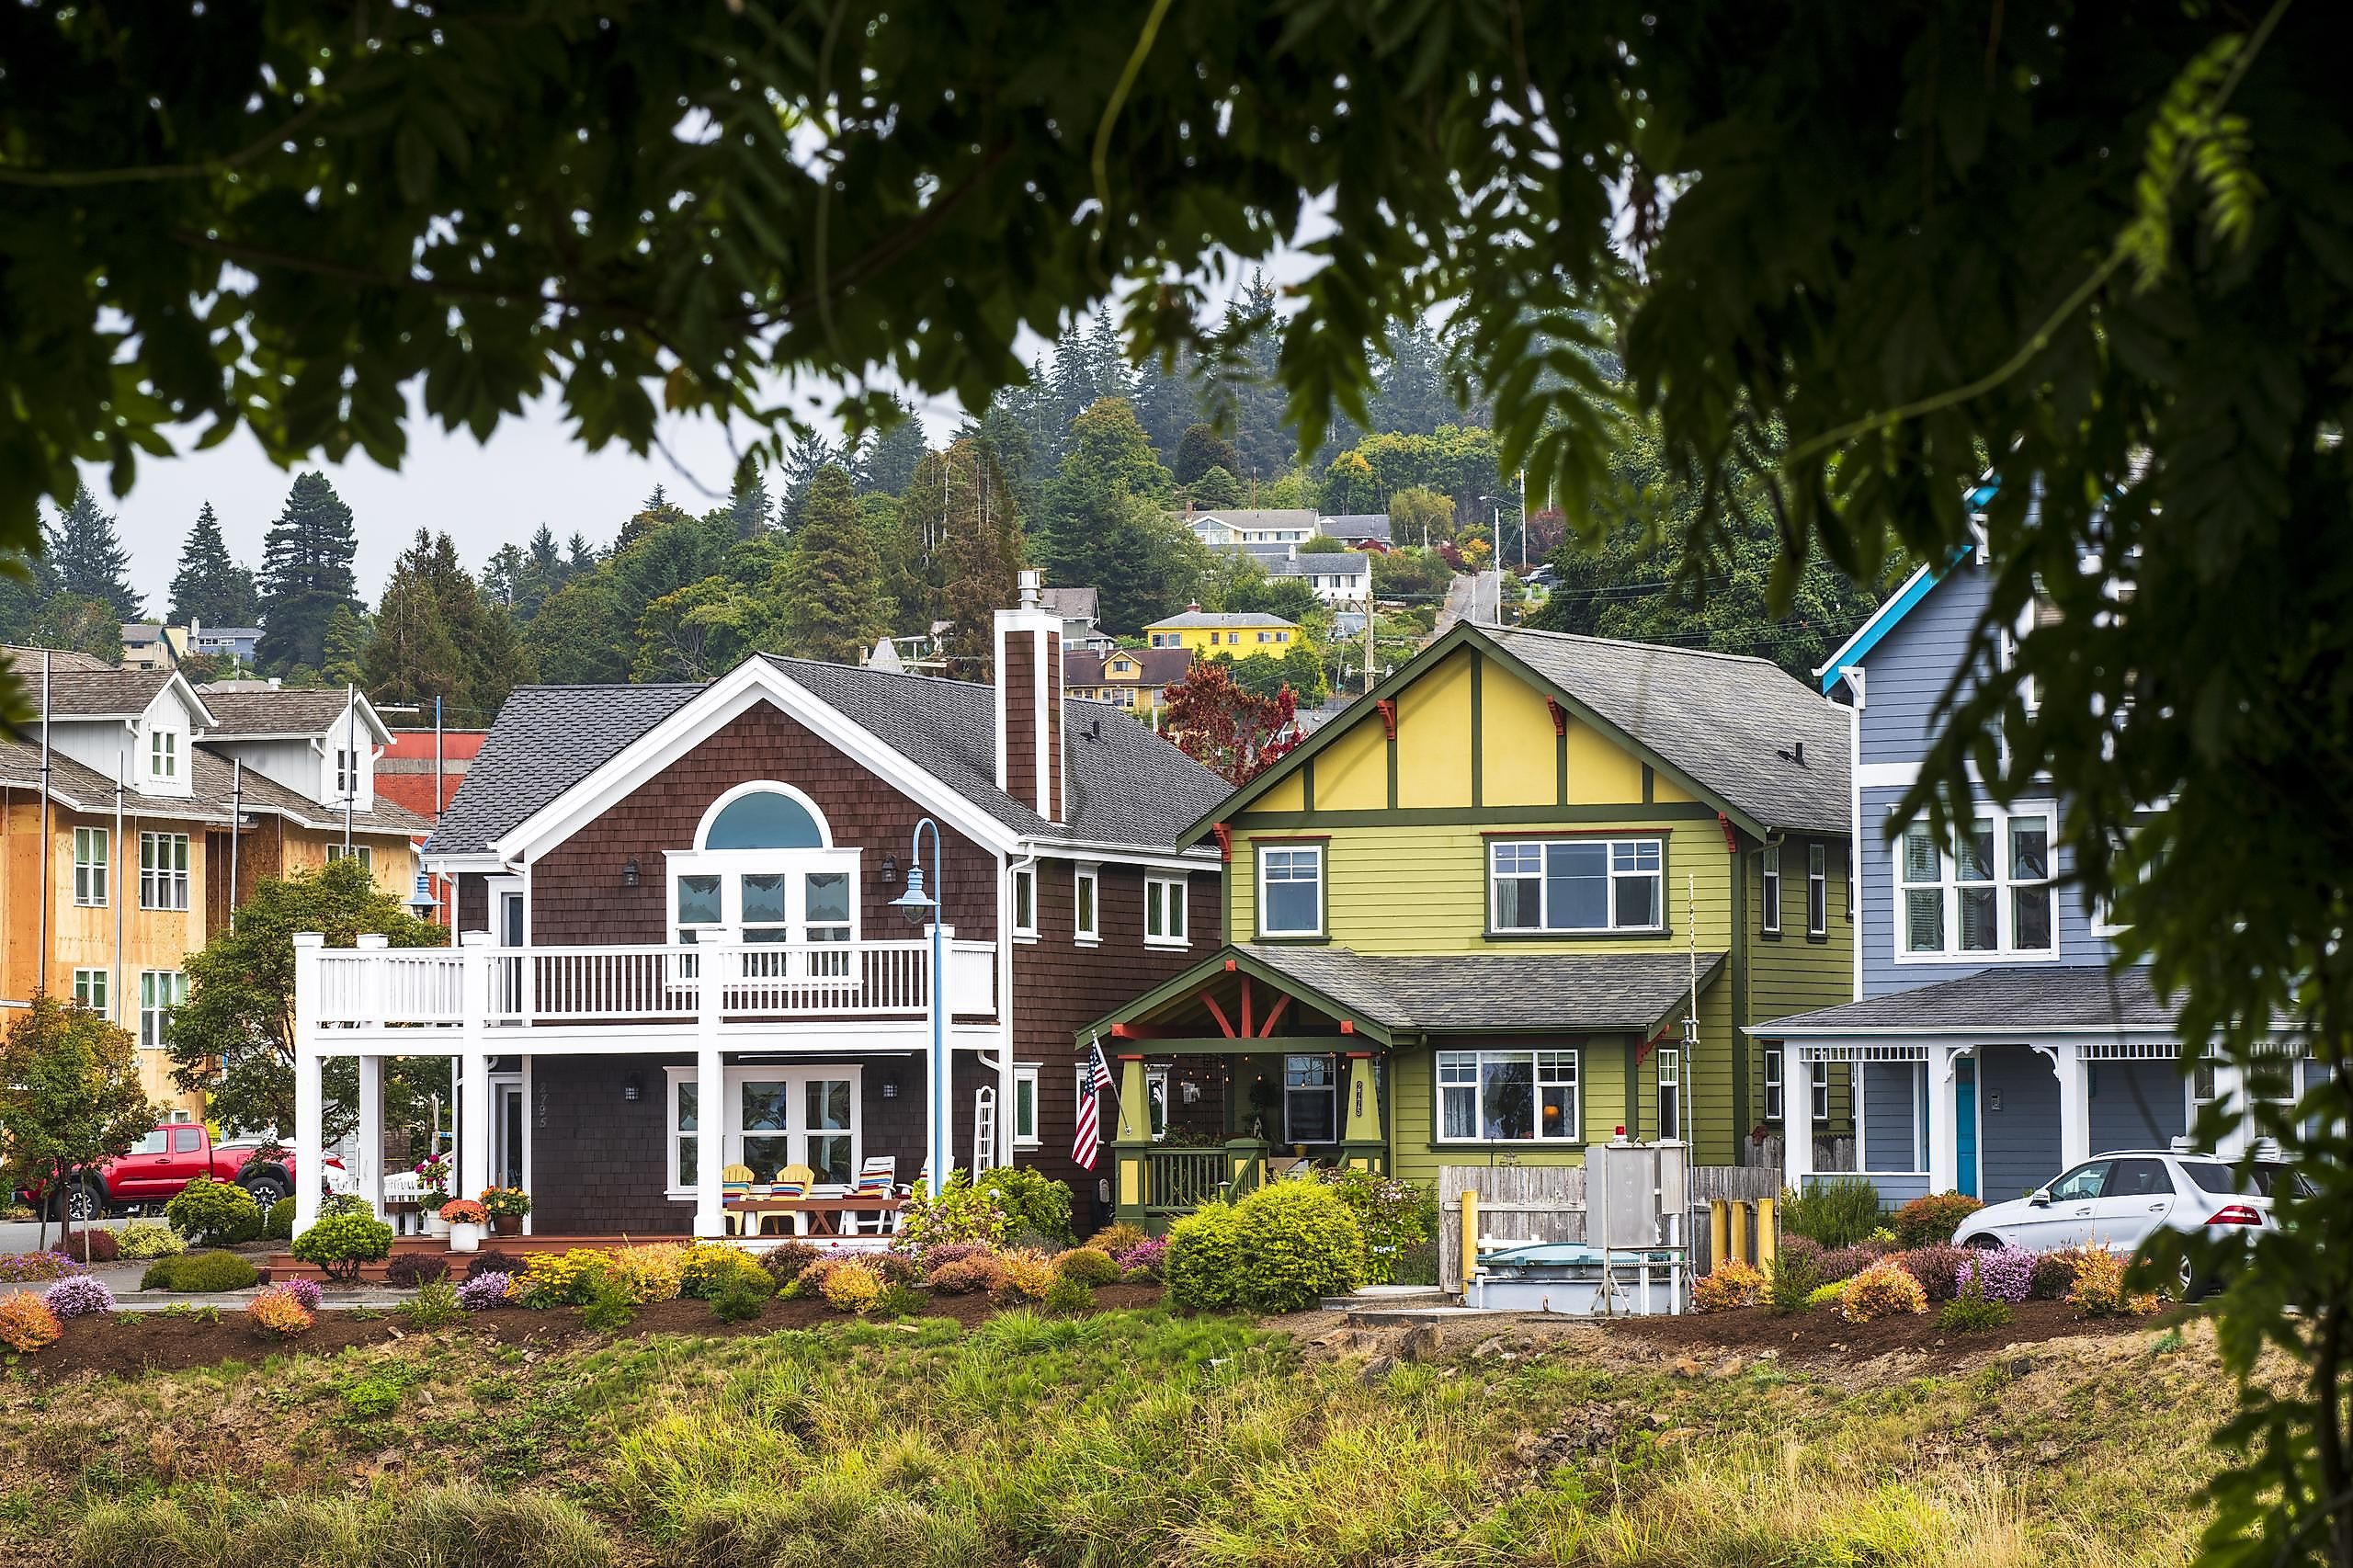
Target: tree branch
[84, 179]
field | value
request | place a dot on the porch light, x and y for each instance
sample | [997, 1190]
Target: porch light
[630, 872]
[421, 901]
[890, 870]
[916, 904]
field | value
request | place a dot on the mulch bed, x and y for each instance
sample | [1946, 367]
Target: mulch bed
[1822, 1335]
[135, 1342]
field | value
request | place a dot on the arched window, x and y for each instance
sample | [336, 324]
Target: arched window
[764, 819]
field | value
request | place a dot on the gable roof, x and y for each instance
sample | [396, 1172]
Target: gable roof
[1073, 604]
[1346, 562]
[287, 711]
[1154, 667]
[1719, 725]
[214, 794]
[1127, 785]
[1194, 619]
[2008, 999]
[102, 693]
[26, 660]
[1258, 517]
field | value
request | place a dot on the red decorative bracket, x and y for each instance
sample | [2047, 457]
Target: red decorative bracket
[1388, 716]
[1347, 1026]
[1559, 715]
[1732, 841]
[1224, 837]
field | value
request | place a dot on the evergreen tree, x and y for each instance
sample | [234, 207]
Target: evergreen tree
[749, 506]
[1200, 450]
[1168, 403]
[1089, 365]
[306, 577]
[979, 554]
[412, 656]
[210, 588]
[806, 457]
[343, 647]
[1107, 523]
[1242, 390]
[25, 585]
[1412, 398]
[78, 624]
[579, 557]
[582, 635]
[887, 459]
[89, 558]
[1216, 487]
[833, 582]
[903, 593]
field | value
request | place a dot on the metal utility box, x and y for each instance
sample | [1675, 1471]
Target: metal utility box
[1634, 1195]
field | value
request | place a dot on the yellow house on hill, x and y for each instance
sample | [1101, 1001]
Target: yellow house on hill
[1522, 895]
[1238, 632]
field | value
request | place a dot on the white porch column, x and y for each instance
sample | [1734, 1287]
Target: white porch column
[2074, 1108]
[309, 1095]
[368, 1155]
[529, 1121]
[2230, 1093]
[1797, 1117]
[473, 1064]
[1944, 1117]
[711, 1097]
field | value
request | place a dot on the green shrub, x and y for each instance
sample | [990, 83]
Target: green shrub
[1931, 1220]
[1089, 1266]
[345, 1237]
[1791, 1282]
[149, 1238]
[904, 1302]
[279, 1223]
[604, 1306]
[1825, 1295]
[371, 1399]
[1840, 1213]
[198, 1273]
[1203, 1258]
[1294, 1243]
[1972, 1312]
[1033, 1201]
[706, 1268]
[1069, 1296]
[215, 1213]
[1399, 1218]
[744, 1296]
[435, 1305]
[962, 1212]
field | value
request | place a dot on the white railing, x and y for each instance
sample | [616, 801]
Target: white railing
[743, 983]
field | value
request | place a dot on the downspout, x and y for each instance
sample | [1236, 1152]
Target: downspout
[1006, 1108]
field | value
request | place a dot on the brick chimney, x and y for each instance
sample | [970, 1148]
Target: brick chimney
[1029, 702]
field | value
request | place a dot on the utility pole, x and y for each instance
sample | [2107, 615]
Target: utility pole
[40, 970]
[351, 781]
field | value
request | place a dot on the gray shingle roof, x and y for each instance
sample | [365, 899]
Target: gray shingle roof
[2010, 999]
[1260, 518]
[1193, 619]
[1074, 604]
[1356, 525]
[1127, 785]
[213, 785]
[26, 661]
[97, 694]
[547, 739]
[1346, 564]
[1154, 667]
[1551, 993]
[215, 780]
[1724, 719]
[285, 711]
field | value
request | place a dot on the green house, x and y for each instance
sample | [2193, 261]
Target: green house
[1524, 894]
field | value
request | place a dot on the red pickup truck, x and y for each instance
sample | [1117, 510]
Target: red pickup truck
[166, 1160]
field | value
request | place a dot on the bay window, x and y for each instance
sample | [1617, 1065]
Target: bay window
[1508, 1097]
[1576, 885]
[1992, 894]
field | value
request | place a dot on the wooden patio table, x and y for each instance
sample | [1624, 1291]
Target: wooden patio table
[824, 1214]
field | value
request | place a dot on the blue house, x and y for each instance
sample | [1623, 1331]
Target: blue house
[1992, 1044]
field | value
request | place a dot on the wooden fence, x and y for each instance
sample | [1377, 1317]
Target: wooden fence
[1546, 1203]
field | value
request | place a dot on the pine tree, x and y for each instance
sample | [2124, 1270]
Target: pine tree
[1168, 403]
[306, 577]
[887, 459]
[411, 656]
[25, 586]
[343, 647]
[89, 558]
[749, 506]
[210, 587]
[1106, 524]
[832, 580]
[1201, 448]
[1242, 388]
[979, 554]
[803, 463]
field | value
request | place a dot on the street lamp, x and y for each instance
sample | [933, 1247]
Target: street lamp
[918, 905]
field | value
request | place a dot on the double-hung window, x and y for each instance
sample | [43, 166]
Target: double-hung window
[1025, 1106]
[1025, 901]
[91, 847]
[162, 753]
[90, 989]
[1817, 890]
[1990, 894]
[1290, 890]
[162, 870]
[1311, 1100]
[160, 991]
[346, 774]
[1670, 1092]
[1772, 1083]
[1576, 885]
[364, 854]
[1507, 1096]
[1770, 906]
[1086, 911]
[1163, 911]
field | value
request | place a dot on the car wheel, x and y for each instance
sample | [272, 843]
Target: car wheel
[267, 1191]
[1984, 1241]
[82, 1202]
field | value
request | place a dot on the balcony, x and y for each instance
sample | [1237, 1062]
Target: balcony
[632, 994]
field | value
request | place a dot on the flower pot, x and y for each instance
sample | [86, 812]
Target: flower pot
[434, 1224]
[506, 1224]
[463, 1237]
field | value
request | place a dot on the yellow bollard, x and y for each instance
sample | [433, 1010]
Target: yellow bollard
[1719, 1231]
[1739, 1244]
[1768, 1236]
[1470, 1237]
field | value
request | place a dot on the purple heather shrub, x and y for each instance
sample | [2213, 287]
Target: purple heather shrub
[2003, 1274]
[1845, 1263]
[1151, 1254]
[26, 1267]
[307, 1291]
[79, 1297]
[955, 1252]
[484, 1291]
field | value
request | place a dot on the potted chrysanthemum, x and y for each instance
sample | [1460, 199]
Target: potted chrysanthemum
[506, 1207]
[465, 1219]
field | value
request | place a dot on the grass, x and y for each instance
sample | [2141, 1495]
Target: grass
[1127, 1437]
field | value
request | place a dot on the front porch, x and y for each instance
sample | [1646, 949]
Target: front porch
[580, 1080]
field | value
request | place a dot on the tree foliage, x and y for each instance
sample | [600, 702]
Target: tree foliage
[89, 559]
[1228, 729]
[306, 576]
[70, 1095]
[210, 587]
[833, 579]
[232, 1040]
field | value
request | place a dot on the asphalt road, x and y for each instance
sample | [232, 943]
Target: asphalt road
[23, 1235]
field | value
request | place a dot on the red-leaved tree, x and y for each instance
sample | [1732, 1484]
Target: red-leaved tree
[1235, 733]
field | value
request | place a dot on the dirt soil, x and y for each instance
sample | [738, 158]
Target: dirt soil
[1822, 1335]
[124, 1343]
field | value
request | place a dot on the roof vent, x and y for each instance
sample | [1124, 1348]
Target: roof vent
[1033, 587]
[1793, 752]
[1095, 729]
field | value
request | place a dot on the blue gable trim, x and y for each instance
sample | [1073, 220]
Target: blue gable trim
[1881, 622]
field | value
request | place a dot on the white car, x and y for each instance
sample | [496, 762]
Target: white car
[2118, 1200]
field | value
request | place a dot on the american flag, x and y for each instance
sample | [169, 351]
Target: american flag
[1087, 1144]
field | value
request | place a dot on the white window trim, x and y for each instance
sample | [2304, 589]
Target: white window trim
[157, 877]
[1575, 1119]
[163, 754]
[1090, 878]
[1817, 888]
[363, 853]
[1610, 845]
[1024, 875]
[730, 867]
[93, 874]
[1027, 1073]
[1770, 901]
[1157, 888]
[1819, 1090]
[173, 984]
[1323, 869]
[732, 1138]
[94, 988]
[1774, 1061]
[1666, 1072]
[2002, 883]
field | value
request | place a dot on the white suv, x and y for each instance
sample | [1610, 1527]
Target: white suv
[2118, 1200]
